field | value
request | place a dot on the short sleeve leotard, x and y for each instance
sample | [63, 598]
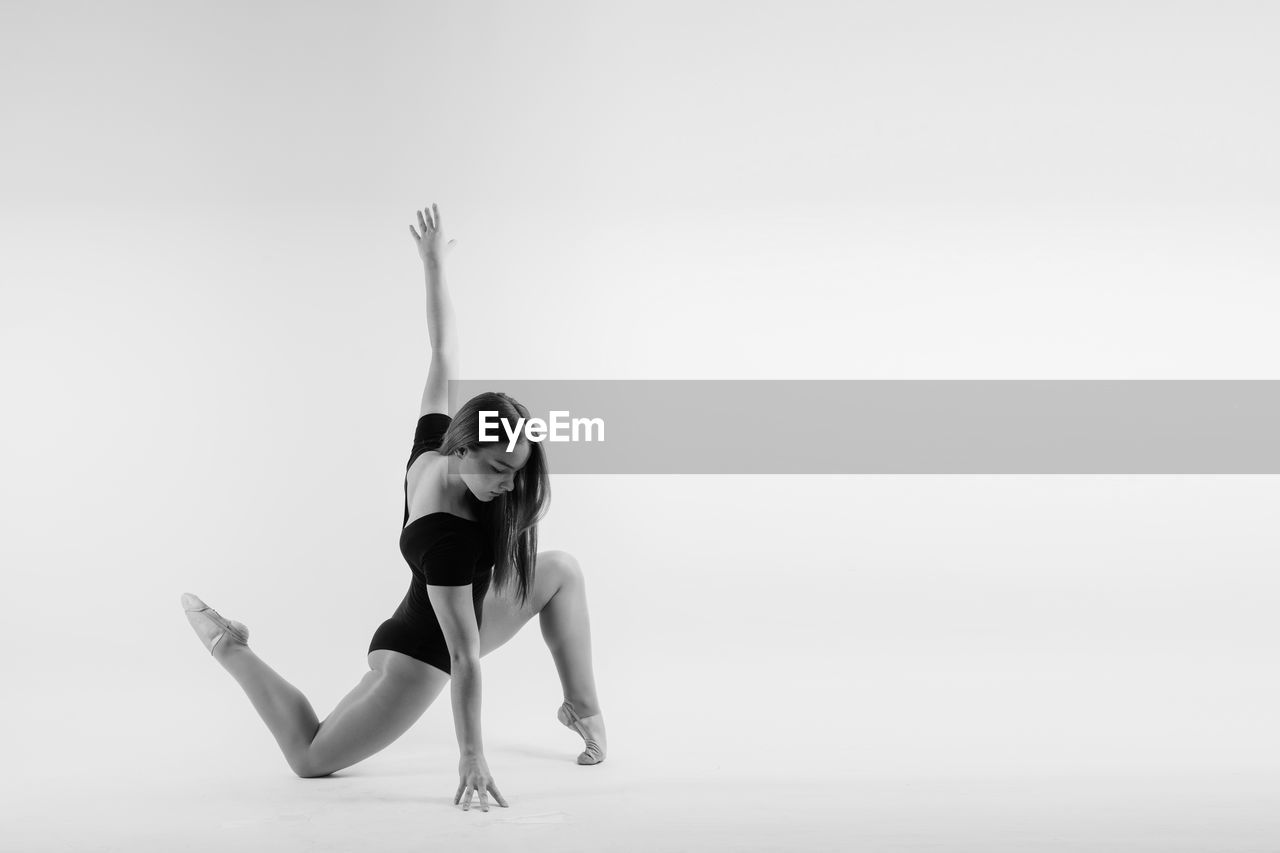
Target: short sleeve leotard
[442, 549]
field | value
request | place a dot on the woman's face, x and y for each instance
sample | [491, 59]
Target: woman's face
[490, 469]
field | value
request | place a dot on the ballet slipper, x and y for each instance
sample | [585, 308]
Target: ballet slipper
[235, 631]
[594, 753]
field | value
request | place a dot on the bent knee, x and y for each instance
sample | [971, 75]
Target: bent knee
[562, 565]
[309, 773]
[306, 767]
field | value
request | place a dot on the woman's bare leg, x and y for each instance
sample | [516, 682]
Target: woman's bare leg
[566, 629]
[390, 698]
[559, 599]
[386, 702]
[286, 711]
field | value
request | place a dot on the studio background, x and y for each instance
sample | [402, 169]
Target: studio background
[214, 343]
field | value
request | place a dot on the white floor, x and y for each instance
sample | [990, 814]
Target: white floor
[401, 800]
[670, 783]
[960, 665]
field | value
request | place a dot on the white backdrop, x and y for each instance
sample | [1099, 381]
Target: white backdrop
[214, 343]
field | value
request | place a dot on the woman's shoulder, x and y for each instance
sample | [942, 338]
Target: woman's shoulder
[424, 492]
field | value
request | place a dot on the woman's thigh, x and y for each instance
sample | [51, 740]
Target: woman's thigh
[389, 699]
[503, 615]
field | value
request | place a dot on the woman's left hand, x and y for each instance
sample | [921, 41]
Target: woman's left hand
[431, 244]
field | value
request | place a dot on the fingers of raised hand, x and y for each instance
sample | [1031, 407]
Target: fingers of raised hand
[428, 225]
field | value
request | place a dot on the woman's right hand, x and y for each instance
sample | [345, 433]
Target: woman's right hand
[475, 777]
[431, 245]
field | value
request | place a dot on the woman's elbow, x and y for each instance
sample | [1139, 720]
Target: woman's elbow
[464, 661]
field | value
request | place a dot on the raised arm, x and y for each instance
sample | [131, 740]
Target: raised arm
[440, 325]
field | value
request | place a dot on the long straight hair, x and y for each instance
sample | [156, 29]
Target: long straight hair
[510, 521]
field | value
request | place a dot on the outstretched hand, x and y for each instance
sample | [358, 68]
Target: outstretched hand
[431, 244]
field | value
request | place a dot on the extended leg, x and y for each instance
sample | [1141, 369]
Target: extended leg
[387, 701]
[286, 711]
[390, 698]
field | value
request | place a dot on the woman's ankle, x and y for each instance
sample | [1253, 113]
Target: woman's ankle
[228, 649]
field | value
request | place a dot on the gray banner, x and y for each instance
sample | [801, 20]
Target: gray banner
[802, 426]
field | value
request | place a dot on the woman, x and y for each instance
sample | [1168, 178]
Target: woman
[469, 535]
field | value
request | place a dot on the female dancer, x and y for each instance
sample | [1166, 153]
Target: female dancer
[474, 506]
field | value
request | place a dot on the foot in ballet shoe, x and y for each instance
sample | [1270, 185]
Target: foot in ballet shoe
[591, 728]
[210, 627]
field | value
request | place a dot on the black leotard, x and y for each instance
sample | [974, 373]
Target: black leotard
[441, 549]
